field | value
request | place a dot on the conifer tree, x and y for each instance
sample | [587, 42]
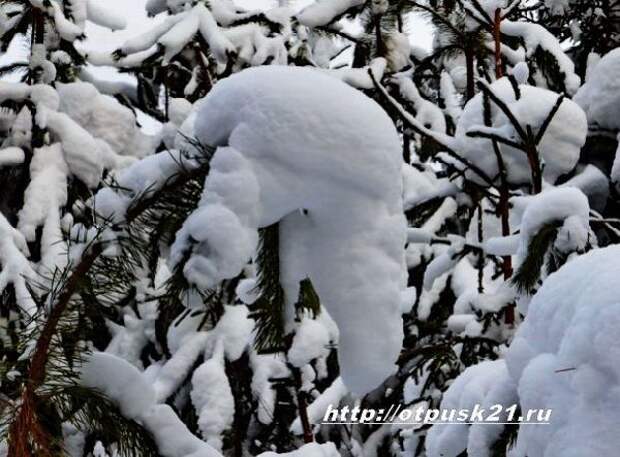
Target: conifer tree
[109, 263]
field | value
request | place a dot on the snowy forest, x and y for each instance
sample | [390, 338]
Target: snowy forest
[250, 213]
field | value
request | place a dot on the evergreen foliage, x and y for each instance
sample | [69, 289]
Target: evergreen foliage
[111, 290]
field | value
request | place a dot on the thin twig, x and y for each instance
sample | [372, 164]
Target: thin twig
[441, 139]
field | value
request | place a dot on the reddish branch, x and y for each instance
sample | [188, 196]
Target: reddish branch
[26, 433]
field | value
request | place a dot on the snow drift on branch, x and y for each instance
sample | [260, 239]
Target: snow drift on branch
[565, 357]
[559, 147]
[599, 95]
[303, 149]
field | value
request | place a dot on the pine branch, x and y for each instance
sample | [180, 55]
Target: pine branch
[442, 140]
[88, 409]
[495, 137]
[308, 300]
[527, 276]
[484, 87]
[545, 125]
[13, 68]
[26, 425]
[268, 310]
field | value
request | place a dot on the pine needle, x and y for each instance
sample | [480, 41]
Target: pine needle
[527, 276]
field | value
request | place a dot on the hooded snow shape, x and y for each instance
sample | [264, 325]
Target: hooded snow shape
[301, 148]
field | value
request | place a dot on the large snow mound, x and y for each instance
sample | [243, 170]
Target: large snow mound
[599, 95]
[565, 357]
[301, 148]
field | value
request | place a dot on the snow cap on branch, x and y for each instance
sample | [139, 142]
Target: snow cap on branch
[330, 172]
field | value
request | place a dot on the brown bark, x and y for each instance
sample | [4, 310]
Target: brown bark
[27, 429]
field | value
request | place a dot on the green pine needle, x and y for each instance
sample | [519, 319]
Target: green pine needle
[527, 276]
[308, 300]
[268, 310]
[89, 410]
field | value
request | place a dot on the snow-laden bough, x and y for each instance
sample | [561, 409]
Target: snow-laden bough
[559, 147]
[297, 147]
[565, 357]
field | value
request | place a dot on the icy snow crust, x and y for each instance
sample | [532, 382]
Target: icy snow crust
[301, 148]
[572, 325]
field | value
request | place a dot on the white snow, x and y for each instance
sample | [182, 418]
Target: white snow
[422, 186]
[323, 12]
[485, 385]
[47, 190]
[234, 330]
[83, 154]
[134, 395]
[246, 291]
[129, 339]
[173, 34]
[306, 149]
[359, 77]
[308, 450]
[615, 169]
[564, 356]
[11, 156]
[264, 368]
[398, 50]
[599, 95]
[559, 148]
[316, 410]
[104, 16]
[565, 205]
[594, 184]
[212, 398]
[119, 381]
[337, 156]
[427, 113]
[176, 369]
[16, 268]
[310, 342]
[450, 96]
[103, 117]
[536, 37]
[44, 197]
